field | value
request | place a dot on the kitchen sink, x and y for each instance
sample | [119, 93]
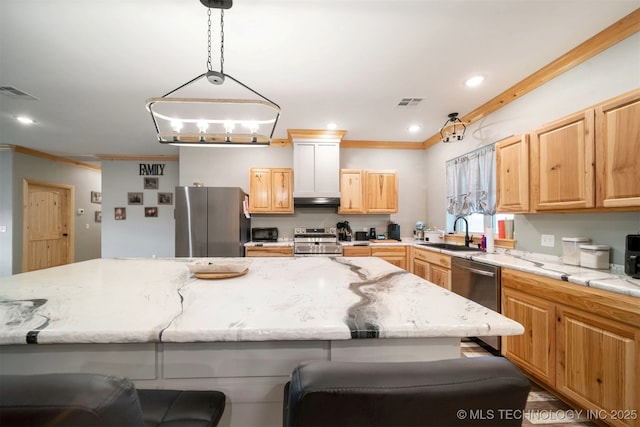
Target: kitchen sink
[450, 247]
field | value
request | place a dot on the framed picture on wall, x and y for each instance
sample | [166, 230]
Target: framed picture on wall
[120, 214]
[150, 183]
[135, 198]
[151, 212]
[98, 216]
[165, 198]
[96, 197]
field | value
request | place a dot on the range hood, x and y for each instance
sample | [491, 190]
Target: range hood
[316, 168]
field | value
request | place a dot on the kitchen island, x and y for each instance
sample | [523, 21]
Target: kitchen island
[151, 320]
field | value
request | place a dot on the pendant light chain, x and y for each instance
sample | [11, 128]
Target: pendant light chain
[222, 41]
[209, 66]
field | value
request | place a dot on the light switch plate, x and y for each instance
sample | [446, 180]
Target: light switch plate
[547, 240]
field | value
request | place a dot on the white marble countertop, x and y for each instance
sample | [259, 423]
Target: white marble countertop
[613, 280]
[306, 298]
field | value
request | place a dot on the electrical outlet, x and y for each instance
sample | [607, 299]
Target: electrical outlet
[547, 240]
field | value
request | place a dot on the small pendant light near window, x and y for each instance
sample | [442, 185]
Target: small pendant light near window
[453, 129]
[213, 108]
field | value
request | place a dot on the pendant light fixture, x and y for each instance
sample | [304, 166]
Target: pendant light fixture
[453, 129]
[237, 115]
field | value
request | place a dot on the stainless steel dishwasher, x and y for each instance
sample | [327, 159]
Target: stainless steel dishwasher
[480, 283]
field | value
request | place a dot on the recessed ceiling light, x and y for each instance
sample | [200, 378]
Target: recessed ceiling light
[414, 128]
[474, 81]
[25, 120]
[332, 126]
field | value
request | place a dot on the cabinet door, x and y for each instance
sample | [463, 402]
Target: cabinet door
[512, 174]
[281, 190]
[534, 351]
[381, 191]
[327, 165]
[562, 164]
[617, 148]
[396, 260]
[440, 276]
[351, 191]
[597, 364]
[259, 190]
[421, 268]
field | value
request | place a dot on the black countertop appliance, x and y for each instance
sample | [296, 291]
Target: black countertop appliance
[632, 256]
[393, 231]
[344, 231]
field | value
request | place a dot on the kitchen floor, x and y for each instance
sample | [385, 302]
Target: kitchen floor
[543, 408]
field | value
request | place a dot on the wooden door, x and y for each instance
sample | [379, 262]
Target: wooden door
[534, 350]
[381, 191]
[512, 174]
[351, 191]
[259, 190]
[617, 148]
[47, 225]
[597, 363]
[281, 190]
[562, 163]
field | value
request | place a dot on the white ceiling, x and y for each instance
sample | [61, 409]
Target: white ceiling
[92, 64]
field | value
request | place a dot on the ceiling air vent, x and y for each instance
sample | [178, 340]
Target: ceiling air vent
[409, 102]
[15, 93]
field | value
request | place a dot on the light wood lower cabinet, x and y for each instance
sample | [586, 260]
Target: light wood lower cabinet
[596, 363]
[432, 266]
[535, 349]
[261, 251]
[396, 255]
[582, 343]
[356, 251]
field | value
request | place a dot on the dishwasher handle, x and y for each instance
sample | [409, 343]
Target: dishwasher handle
[477, 271]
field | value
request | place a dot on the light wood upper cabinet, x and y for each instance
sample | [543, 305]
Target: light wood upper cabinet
[270, 190]
[381, 192]
[351, 191]
[512, 174]
[368, 191]
[562, 163]
[617, 148]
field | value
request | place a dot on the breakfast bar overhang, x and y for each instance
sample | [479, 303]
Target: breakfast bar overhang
[154, 322]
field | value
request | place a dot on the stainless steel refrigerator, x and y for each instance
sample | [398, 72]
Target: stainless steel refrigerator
[210, 222]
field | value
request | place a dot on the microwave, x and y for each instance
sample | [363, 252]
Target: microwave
[265, 234]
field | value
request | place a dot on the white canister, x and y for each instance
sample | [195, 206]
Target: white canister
[594, 256]
[571, 249]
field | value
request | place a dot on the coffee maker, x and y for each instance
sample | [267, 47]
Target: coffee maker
[393, 231]
[632, 256]
[344, 231]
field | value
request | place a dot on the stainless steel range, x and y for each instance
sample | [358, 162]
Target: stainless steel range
[316, 241]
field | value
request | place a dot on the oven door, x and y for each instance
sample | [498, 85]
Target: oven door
[309, 248]
[480, 283]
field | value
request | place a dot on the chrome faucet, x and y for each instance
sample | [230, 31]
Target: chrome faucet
[467, 239]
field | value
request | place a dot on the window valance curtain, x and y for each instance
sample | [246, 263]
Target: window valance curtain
[471, 182]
